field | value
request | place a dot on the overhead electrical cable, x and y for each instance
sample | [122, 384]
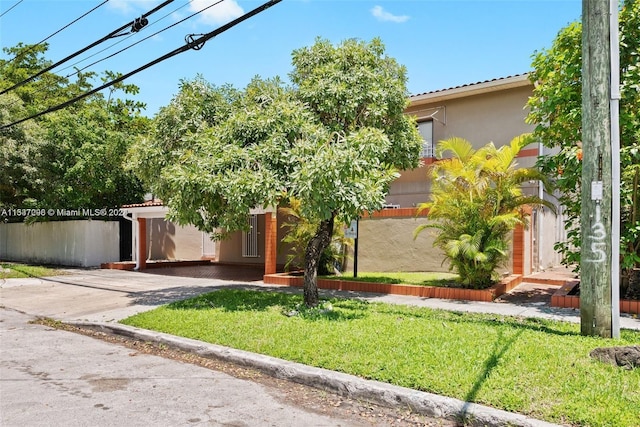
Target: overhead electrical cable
[120, 41]
[195, 44]
[63, 28]
[97, 42]
[141, 40]
[7, 11]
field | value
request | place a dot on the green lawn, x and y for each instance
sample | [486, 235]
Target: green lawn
[536, 367]
[9, 270]
[410, 278]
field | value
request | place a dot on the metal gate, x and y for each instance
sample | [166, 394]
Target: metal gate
[250, 239]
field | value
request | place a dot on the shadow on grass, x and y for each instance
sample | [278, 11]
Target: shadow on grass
[500, 347]
[494, 320]
[287, 299]
[263, 300]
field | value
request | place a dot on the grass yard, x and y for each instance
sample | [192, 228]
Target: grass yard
[9, 270]
[409, 278]
[535, 367]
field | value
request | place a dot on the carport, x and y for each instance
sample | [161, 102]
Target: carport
[140, 213]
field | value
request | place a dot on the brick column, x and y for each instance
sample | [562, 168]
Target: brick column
[518, 249]
[270, 242]
[142, 243]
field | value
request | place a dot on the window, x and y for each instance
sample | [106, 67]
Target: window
[426, 131]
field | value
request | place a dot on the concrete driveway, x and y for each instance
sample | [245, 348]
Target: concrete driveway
[101, 295]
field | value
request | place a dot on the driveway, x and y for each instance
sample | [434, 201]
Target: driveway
[102, 295]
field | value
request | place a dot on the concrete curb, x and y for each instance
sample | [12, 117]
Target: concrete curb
[351, 386]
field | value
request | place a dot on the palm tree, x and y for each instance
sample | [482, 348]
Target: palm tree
[476, 202]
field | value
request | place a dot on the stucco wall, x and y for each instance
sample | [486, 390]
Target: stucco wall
[72, 243]
[231, 248]
[387, 244]
[495, 116]
[167, 241]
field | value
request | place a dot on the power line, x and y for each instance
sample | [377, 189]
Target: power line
[119, 41]
[7, 11]
[131, 34]
[194, 44]
[146, 38]
[97, 42]
[61, 29]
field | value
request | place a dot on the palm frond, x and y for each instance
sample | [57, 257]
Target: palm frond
[460, 148]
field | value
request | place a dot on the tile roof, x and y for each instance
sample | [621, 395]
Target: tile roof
[469, 85]
[148, 203]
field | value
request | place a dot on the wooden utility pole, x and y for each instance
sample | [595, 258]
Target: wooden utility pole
[597, 271]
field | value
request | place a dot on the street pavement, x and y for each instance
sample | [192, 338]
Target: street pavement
[54, 377]
[50, 377]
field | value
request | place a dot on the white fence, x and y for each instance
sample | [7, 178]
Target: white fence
[85, 243]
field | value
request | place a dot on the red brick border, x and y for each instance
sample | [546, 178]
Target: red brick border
[487, 295]
[561, 299]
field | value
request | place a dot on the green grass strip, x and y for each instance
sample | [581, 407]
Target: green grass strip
[10, 270]
[536, 367]
[408, 278]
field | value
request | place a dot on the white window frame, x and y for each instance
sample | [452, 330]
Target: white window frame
[425, 127]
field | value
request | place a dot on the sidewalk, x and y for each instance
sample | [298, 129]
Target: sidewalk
[112, 295]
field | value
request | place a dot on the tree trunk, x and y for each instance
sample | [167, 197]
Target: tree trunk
[312, 254]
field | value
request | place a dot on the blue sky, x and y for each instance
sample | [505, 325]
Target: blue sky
[443, 43]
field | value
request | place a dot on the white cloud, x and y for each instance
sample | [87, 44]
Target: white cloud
[383, 15]
[220, 13]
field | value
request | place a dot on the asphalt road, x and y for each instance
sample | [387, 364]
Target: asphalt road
[51, 377]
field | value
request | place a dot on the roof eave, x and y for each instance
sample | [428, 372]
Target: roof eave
[518, 81]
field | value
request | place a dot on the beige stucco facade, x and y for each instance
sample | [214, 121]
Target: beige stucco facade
[491, 111]
[167, 241]
[387, 244]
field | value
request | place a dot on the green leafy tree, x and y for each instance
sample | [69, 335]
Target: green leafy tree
[20, 183]
[476, 202]
[72, 158]
[334, 140]
[82, 161]
[556, 109]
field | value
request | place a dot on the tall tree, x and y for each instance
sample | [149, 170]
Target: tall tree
[334, 140]
[20, 147]
[556, 110]
[73, 158]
